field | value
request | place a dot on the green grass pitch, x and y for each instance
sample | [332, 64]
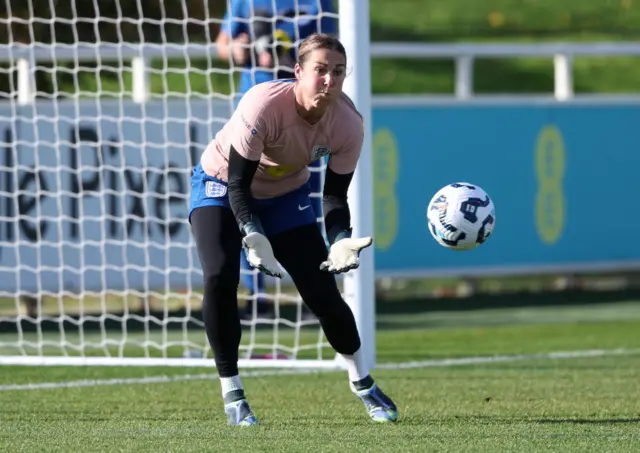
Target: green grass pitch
[530, 403]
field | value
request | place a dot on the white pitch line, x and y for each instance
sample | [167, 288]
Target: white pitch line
[144, 380]
[508, 358]
[559, 355]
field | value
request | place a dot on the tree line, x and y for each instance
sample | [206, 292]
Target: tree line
[68, 21]
[103, 21]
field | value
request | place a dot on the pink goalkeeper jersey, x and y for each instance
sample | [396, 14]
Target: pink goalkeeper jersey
[267, 127]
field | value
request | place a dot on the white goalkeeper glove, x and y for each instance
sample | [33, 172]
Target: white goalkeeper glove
[344, 255]
[260, 254]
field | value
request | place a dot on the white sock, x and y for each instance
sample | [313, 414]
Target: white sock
[358, 370]
[229, 384]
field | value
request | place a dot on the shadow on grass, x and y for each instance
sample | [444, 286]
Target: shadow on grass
[586, 421]
[510, 300]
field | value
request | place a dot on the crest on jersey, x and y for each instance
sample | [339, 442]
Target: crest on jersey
[214, 189]
[320, 151]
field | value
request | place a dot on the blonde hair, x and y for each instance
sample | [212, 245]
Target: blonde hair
[319, 41]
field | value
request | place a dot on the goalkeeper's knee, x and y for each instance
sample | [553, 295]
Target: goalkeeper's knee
[338, 324]
[220, 288]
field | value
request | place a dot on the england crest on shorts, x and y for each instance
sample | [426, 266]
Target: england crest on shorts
[320, 151]
[214, 189]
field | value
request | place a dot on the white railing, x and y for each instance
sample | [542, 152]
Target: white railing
[25, 58]
[465, 55]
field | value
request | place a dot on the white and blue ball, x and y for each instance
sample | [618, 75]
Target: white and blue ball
[461, 216]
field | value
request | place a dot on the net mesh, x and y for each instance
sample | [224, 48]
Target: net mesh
[105, 109]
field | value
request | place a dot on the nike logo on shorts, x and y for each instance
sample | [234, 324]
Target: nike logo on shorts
[302, 208]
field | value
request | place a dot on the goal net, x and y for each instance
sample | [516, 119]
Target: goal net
[105, 109]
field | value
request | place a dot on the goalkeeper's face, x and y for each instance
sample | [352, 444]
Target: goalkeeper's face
[321, 76]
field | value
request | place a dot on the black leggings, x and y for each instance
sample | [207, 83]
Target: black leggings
[300, 251]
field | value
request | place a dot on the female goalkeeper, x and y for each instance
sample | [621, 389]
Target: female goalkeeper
[251, 189]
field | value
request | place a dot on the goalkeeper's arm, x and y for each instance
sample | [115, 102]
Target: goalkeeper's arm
[337, 217]
[345, 250]
[258, 248]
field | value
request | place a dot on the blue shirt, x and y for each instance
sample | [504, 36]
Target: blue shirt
[296, 19]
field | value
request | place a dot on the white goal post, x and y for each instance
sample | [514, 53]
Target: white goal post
[97, 262]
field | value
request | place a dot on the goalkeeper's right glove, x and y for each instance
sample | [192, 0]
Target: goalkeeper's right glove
[260, 254]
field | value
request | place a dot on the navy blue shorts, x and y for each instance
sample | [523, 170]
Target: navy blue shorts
[279, 214]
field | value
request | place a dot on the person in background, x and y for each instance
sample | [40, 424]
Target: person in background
[261, 36]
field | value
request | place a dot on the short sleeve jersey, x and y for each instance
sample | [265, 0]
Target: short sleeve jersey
[266, 127]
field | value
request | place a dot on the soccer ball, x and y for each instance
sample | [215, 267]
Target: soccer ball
[461, 216]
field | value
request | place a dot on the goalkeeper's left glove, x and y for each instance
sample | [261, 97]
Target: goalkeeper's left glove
[344, 253]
